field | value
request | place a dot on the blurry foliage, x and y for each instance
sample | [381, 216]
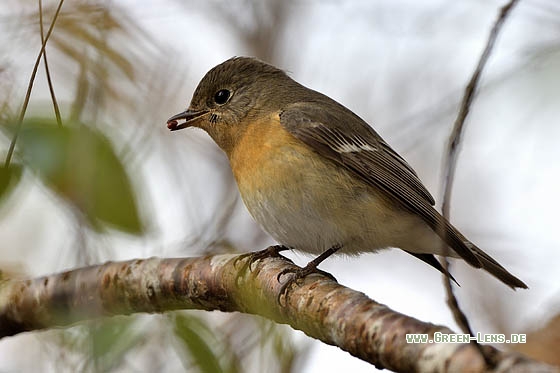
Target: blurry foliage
[80, 165]
[103, 345]
[77, 162]
[9, 179]
[99, 346]
[274, 339]
[227, 348]
[119, 75]
[110, 49]
[111, 340]
[201, 342]
[239, 343]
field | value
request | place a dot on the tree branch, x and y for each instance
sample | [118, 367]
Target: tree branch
[318, 306]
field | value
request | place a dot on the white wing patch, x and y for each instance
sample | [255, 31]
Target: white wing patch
[356, 144]
[352, 148]
[340, 142]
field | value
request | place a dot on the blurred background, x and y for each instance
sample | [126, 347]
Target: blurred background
[108, 181]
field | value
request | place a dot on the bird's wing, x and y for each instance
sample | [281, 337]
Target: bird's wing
[344, 138]
[341, 136]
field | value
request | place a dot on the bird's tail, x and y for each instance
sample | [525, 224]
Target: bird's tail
[491, 266]
[469, 251]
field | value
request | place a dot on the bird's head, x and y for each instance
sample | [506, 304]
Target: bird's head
[233, 94]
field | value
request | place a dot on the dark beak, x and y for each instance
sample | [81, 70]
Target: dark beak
[189, 116]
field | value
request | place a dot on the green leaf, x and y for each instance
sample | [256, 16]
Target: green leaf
[191, 331]
[9, 179]
[99, 345]
[111, 339]
[79, 164]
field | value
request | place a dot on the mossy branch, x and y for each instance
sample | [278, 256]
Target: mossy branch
[318, 306]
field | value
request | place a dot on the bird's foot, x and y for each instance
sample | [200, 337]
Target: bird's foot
[269, 252]
[298, 275]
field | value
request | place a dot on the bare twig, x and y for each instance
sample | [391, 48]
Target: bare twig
[47, 71]
[318, 306]
[30, 87]
[452, 154]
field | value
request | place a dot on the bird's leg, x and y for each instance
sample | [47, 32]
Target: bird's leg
[269, 252]
[311, 267]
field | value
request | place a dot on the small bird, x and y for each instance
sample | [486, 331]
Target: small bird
[316, 176]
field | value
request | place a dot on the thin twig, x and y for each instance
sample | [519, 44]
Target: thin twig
[47, 71]
[30, 87]
[451, 160]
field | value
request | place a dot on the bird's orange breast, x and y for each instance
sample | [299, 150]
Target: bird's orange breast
[266, 155]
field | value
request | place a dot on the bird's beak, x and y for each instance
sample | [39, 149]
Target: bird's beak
[189, 116]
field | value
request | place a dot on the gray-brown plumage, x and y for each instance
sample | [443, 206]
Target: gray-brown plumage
[315, 175]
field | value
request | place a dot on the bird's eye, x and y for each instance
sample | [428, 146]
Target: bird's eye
[221, 96]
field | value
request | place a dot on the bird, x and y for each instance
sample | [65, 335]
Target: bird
[316, 176]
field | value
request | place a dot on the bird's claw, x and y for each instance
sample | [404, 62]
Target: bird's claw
[299, 274]
[269, 252]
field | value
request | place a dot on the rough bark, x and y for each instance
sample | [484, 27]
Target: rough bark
[318, 306]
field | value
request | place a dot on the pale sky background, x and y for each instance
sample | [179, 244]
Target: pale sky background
[400, 65]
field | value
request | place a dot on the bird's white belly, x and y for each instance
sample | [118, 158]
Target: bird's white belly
[293, 220]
